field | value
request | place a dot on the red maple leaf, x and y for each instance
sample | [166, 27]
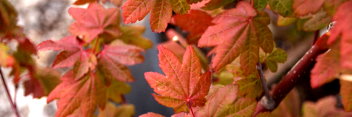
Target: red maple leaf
[195, 22]
[84, 94]
[95, 21]
[183, 86]
[161, 11]
[238, 32]
[341, 33]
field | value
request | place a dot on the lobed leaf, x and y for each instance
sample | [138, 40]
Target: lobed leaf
[94, 21]
[238, 32]
[184, 84]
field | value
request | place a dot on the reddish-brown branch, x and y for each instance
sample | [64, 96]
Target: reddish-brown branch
[280, 91]
[13, 105]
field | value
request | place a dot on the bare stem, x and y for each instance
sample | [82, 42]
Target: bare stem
[13, 105]
[293, 77]
[262, 79]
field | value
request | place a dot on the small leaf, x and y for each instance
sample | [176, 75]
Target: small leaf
[283, 7]
[135, 10]
[277, 56]
[260, 4]
[160, 15]
[305, 7]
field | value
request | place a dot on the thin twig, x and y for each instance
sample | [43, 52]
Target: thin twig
[13, 105]
[262, 79]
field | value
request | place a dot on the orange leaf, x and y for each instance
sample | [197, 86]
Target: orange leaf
[184, 85]
[94, 21]
[238, 32]
[84, 94]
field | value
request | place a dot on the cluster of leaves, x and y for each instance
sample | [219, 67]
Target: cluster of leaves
[97, 54]
[99, 49]
[241, 41]
[16, 52]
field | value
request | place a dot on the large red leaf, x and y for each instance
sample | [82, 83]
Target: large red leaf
[151, 114]
[184, 85]
[85, 94]
[94, 21]
[161, 11]
[342, 32]
[238, 32]
[326, 69]
[195, 22]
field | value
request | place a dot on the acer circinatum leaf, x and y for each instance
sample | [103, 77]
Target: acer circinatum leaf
[342, 32]
[326, 69]
[41, 82]
[85, 94]
[72, 54]
[135, 10]
[238, 32]
[305, 7]
[151, 114]
[161, 11]
[160, 15]
[195, 22]
[94, 21]
[112, 110]
[277, 56]
[113, 58]
[184, 85]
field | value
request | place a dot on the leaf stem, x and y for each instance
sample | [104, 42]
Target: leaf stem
[293, 77]
[13, 105]
[190, 108]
